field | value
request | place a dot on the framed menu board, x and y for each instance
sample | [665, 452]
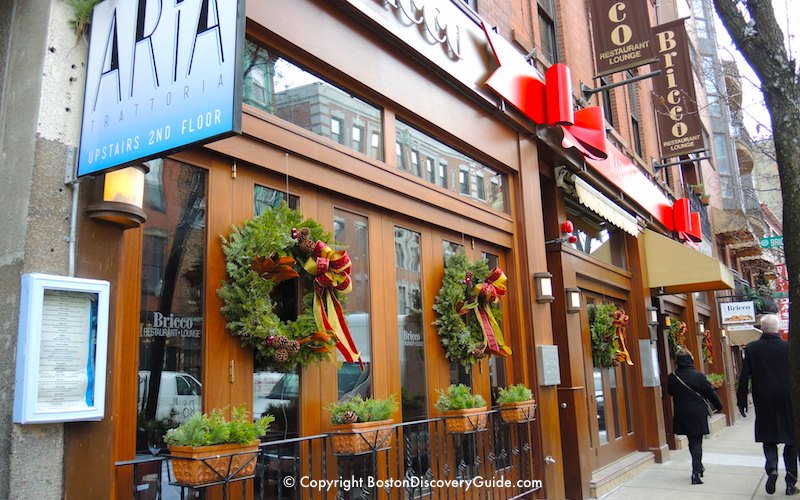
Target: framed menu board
[61, 354]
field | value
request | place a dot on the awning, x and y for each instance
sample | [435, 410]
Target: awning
[679, 269]
[605, 208]
[742, 334]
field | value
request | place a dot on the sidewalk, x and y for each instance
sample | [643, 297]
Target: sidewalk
[734, 466]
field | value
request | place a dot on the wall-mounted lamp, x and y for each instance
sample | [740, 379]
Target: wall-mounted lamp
[724, 333]
[701, 329]
[573, 299]
[652, 316]
[118, 197]
[544, 287]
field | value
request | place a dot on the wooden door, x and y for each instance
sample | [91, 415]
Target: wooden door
[610, 396]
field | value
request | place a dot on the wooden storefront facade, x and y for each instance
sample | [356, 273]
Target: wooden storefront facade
[416, 160]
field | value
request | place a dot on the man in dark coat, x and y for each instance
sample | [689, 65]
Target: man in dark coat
[766, 363]
[688, 389]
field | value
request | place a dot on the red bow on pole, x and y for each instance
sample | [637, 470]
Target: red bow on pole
[546, 103]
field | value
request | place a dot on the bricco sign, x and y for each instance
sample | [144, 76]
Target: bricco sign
[679, 124]
[161, 75]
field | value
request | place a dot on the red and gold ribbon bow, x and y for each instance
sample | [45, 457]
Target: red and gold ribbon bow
[486, 294]
[332, 272]
[708, 347]
[620, 321]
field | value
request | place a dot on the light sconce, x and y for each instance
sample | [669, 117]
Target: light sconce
[544, 287]
[701, 329]
[118, 197]
[573, 300]
[652, 316]
[723, 333]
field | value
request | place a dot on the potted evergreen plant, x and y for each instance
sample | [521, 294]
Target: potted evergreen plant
[207, 448]
[463, 411]
[361, 425]
[516, 404]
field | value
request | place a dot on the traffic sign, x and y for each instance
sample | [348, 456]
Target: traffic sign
[771, 241]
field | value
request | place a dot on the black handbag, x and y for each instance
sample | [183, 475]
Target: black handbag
[709, 407]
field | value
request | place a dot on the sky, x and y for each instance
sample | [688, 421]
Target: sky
[787, 13]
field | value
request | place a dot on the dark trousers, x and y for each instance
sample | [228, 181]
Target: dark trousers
[696, 450]
[789, 460]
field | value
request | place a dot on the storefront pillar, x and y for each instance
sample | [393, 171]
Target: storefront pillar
[533, 259]
[650, 417]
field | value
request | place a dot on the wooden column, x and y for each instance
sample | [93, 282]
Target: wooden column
[530, 259]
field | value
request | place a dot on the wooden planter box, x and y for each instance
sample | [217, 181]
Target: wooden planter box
[520, 412]
[209, 464]
[463, 421]
[362, 437]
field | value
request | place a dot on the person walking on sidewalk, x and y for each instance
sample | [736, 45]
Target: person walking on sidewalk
[766, 363]
[689, 390]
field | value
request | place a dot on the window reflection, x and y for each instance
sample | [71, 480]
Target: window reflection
[409, 323]
[351, 231]
[277, 393]
[171, 315]
[597, 237]
[470, 178]
[458, 374]
[279, 87]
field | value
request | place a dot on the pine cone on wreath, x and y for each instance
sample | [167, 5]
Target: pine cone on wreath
[349, 417]
[294, 346]
[281, 342]
[307, 246]
[480, 351]
[281, 355]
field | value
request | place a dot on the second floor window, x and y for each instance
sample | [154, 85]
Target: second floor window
[547, 29]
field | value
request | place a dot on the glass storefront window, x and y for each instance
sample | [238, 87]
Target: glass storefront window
[597, 237]
[277, 393]
[352, 231]
[411, 331]
[279, 87]
[471, 179]
[458, 374]
[173, 280]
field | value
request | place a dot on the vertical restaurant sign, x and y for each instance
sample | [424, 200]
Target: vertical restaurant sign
[160, 76]
[679, 127]
[781, 278]
[621, 33]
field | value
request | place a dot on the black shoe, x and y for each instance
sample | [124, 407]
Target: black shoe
[772, 478]
[696, 478]
[791, 489]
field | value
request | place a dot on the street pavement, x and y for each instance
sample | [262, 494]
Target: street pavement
[734, 465]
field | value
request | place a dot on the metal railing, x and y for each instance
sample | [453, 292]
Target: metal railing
[420, 459]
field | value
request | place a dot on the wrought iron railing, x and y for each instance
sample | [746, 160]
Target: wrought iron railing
[421, 459]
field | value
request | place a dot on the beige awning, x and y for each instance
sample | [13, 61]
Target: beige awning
[605, 208]
[743, 336]
[680, 269]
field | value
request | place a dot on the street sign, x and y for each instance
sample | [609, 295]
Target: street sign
[771, 241]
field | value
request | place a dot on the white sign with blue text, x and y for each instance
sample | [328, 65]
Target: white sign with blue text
[161, 75]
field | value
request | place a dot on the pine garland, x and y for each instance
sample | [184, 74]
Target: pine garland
[247, 294]
[676, 336]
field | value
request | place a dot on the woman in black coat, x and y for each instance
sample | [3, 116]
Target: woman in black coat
[688, 387]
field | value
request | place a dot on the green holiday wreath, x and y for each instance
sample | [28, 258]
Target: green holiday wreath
[259, 254]
[676, 335]
[604, 334]
[467, 304]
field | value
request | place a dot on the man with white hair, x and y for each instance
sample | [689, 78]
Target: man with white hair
[766, 363]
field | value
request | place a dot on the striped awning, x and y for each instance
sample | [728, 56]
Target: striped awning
[598, 203]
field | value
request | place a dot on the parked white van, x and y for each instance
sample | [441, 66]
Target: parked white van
[179, 394]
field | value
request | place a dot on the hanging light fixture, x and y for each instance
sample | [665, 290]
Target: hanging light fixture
[573, 299]
[544, 287]
[118, 197]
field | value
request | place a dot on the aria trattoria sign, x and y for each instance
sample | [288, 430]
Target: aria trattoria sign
[679, 126]
[160, 76]
[621, 33]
